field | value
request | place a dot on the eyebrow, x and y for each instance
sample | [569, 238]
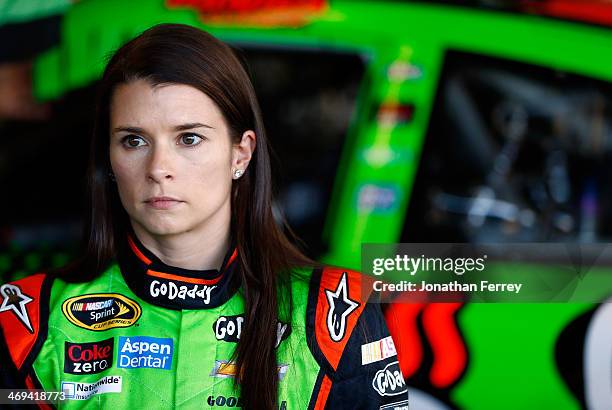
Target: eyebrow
[181, 127]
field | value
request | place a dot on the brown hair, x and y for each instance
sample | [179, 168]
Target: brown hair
[181, 54]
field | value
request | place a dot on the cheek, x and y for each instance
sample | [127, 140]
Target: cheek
[127, 175]
[209, 179]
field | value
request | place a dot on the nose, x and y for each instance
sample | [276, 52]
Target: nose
[160, 165]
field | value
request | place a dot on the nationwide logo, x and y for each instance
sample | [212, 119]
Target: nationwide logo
[389, 381]
[171, 291]
[379, 350]
[14, 300]
[88, 358]
[83, 391]
[229, 329]
[224, 369]
[145, 352]
[101, 311]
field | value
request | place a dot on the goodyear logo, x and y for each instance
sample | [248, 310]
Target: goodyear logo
[101, 311]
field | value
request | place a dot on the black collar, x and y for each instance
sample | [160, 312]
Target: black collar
[172, 287]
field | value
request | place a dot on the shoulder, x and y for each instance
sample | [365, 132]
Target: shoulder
[338, 301]
[24, 313]
[25, 307]
[350, 340]
[327, 277]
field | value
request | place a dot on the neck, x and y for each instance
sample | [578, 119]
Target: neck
[197, 249]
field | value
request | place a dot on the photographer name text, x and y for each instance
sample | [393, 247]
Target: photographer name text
[409, 286]
[422, 264]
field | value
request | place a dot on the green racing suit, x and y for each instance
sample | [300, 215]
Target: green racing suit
[147, 335]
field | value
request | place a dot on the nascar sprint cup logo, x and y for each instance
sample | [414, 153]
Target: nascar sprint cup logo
[101, 311]
[389, 381]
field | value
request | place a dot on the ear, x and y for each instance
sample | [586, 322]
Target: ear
[243, 151]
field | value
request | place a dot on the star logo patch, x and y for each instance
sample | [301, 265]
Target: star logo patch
[13, 299]
[340, 307]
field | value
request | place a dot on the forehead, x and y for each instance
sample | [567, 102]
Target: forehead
[138, 103]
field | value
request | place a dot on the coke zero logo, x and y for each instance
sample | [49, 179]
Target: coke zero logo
[88, 358]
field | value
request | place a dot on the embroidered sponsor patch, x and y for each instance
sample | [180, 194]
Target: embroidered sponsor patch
[340, 307]
[379, 350]
[101, 311]
[224, 368]
[88, 358]
[231, 401]
[223, 401]
[229, 329]
[400, 405]
[171, 291]
[389, 381]
[15, 301]
[145, 352]
[83, 391]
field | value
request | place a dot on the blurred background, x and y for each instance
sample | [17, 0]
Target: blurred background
[391, 121]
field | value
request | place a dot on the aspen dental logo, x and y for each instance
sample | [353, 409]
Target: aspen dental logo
[83, 391]
[145, 352]
[101, 311]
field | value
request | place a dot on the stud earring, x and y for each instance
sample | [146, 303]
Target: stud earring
[237, 173]
[111, 176]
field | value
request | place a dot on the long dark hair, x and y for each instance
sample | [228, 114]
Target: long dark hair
[181, 54]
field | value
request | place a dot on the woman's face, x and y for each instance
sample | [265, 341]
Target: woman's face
[173, 158]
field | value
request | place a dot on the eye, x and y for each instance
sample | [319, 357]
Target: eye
[190, 139]
[133, 141]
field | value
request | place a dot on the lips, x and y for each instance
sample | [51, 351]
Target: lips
[163, 202]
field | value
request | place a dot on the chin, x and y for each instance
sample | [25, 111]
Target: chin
[166, 226]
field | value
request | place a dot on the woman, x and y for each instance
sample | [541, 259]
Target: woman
[189, 295]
